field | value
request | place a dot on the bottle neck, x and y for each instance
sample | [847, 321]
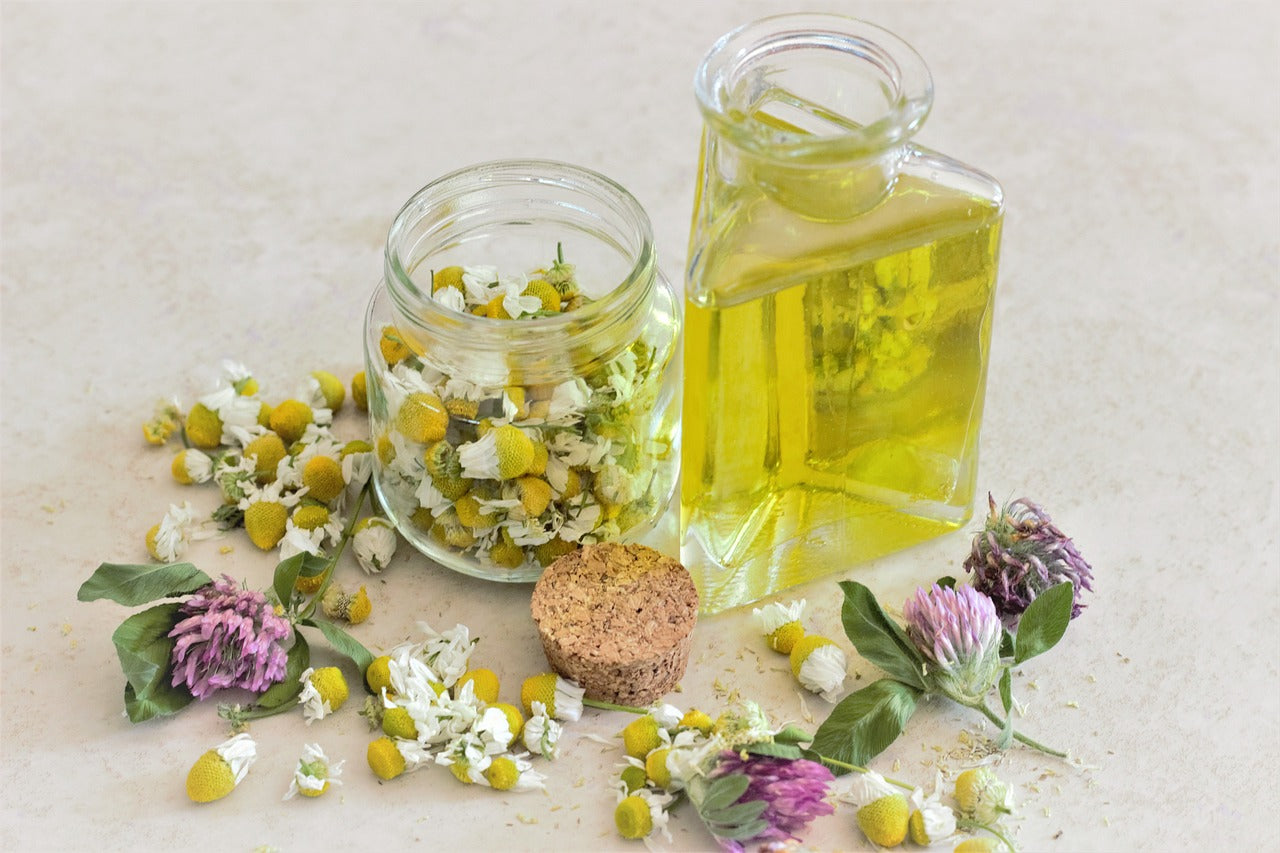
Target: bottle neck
[814, 110]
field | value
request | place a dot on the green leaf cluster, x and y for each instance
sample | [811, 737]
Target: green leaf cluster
[718, 806]
[142, 641]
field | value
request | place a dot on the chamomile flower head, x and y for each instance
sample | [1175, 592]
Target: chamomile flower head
[314, 773]
[299, 539]
[165, 421]
[192, 466]
[266, 514]
[290, 419]
[979, 844]
[780, 624]
[561, 697]
[266, 451]
[541, 733]
[493, 727]
[216, 773]
[385, 758]
[885, 822]
[513, 773]
[982, 795]
[641, 736]
[167, 541]
[374, 543]
[325, 390]
[743, 725]
[699, 721]
[360, 391]
[323, 692]
[931, 821]
[819, 665]
[203, 427]
[483, 681]
[322, 475]
[503, 453]
[447, 653]
[353, 607]
[642, 814]
[422, 418]
[236, 477]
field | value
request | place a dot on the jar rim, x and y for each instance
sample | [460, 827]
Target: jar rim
[632, 289]
[902, 73]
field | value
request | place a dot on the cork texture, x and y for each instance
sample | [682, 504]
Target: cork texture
[618, 620]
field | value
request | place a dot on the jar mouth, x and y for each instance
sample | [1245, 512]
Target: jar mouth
[479, 208]
[812, 87]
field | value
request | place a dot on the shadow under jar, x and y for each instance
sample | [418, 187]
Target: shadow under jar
[517, 354]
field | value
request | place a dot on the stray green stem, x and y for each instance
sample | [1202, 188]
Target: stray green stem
[1017, 735]
[609, 706]
[855, 768]
[333, 561]
[238, 716]
[970, 825]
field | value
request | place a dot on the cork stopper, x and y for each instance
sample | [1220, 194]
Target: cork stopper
[618, 620]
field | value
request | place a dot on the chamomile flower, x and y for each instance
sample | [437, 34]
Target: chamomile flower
[451, 298]
[568, 400]
[447, 652]
[513, 773]
[192, 466]
[353, 607]
[494, 730]
[982, 795]
[503, 453]
[819, 665]
[167, 541]
[314, 773]
[217, 773]
[165, 421]
[642, 814]
[323, 692]
[883, 812]
[374, 543]
[561, 697]
[541, 734]
[266, 513]
[780, 624]
[466, 758]
[931, 821]
[300, 540]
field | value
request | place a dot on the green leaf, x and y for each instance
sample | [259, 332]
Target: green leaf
[878, 638]
[792, 734]
[739, 833]
[343, 642]
[737, 814]
[946, 582]
[775, 750]
[145, 651]
[866, 722]
[287, 690]
[162, 701]
[1006, 690]
[1044, 622]
[132, 585]
[1006, 643]
[300, 565]
[723, 791]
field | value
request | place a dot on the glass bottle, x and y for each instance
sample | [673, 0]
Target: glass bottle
[503, 443]
[838, 311]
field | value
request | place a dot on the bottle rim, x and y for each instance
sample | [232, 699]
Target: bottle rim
[591, 192]
[740, 58]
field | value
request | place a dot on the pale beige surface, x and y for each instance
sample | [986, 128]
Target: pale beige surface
[183, 183]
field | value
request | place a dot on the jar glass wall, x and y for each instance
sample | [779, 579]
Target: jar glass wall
[519, 354]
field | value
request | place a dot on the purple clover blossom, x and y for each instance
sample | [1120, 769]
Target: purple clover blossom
[1019, 554]
[958, 631]
[793, 790]
[229, 637]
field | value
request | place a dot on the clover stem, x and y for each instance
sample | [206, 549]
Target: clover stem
[855, 768]
[982, 708]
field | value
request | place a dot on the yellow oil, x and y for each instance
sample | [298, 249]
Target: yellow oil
[834, 377]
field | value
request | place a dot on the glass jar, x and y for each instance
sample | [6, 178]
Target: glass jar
[838, 311]
[502, 443]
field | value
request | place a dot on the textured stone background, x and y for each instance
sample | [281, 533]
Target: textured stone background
[187, 182]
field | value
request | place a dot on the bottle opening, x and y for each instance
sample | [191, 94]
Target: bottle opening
[792, 85]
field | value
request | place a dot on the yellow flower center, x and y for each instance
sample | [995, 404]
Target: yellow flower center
[323, 478]
[640, 736]
[884, 821]
[311, 516]
[289, 420]
[267, 451]
[396, 722]
[265, 522]
[632, 818]
[422, 418]
[204, 427]
[378, 675]
[331, 388]
[803, 648]
[655, 767]
[515, 720]
[331, 686]
[539, 688]
[385, 759]
[210, 778]
[502, 773]
[485, 683]
[360, 391]
[784, 637]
